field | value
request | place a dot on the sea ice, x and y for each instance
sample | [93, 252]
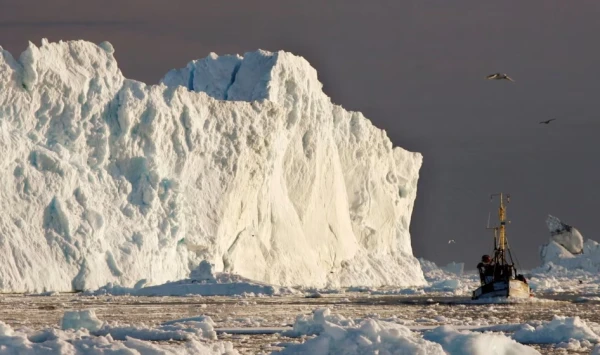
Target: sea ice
[83, 333]
[560, 329]
[338, 335]
[464, 342]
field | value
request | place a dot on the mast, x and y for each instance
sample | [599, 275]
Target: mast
[500, 244]
[502, 228]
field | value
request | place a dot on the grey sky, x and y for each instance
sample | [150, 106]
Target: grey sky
[416, 69]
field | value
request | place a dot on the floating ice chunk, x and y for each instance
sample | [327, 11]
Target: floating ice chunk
[314, 324]
[560, 329]
[108, 340]
[457, 342]
[81, 319]
[337, 335]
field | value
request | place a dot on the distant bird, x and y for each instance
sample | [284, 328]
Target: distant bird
[546, 122]
[498, 76]
[451, 241]
[580, 282]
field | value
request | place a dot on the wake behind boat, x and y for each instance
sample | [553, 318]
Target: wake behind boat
[498, 277]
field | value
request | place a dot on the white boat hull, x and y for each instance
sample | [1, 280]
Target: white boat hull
[514, 288]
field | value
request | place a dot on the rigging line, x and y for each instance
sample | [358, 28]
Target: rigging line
[516, 259]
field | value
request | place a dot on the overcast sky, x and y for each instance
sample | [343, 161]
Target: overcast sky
[416, 69]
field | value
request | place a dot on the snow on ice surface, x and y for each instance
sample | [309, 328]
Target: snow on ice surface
[560, 329]
[76, 337]
[81, 319]
[253, 169]
[179, 329]
[336, 334]
[464, 342]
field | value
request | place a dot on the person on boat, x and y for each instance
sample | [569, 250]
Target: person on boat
[486, 269]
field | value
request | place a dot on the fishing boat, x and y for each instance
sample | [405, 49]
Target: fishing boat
[498, 274]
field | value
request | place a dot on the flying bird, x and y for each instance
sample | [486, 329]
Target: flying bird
[451, 241]
[498, 76]
[548, 121]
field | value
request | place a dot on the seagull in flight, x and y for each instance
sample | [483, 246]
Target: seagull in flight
[499, 76]
[451, 241]
[548, 121]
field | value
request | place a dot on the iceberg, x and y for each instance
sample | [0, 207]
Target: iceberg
[567, 236]
[566, 248]
[568, 263]
[241, 161]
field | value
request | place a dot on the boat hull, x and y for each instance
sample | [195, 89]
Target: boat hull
[512, 288]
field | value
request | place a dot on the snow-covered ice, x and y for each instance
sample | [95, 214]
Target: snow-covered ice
[81, 319]
[589, 260]
[336, 334]
[465, 342]
[368, 337]
[83, 333]
[560, 329]
[339, 335]
[242, 161]
[178, 329]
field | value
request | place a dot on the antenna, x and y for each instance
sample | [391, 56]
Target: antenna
[489, 216]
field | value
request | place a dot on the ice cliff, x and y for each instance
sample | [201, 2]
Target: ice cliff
[240, 161]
